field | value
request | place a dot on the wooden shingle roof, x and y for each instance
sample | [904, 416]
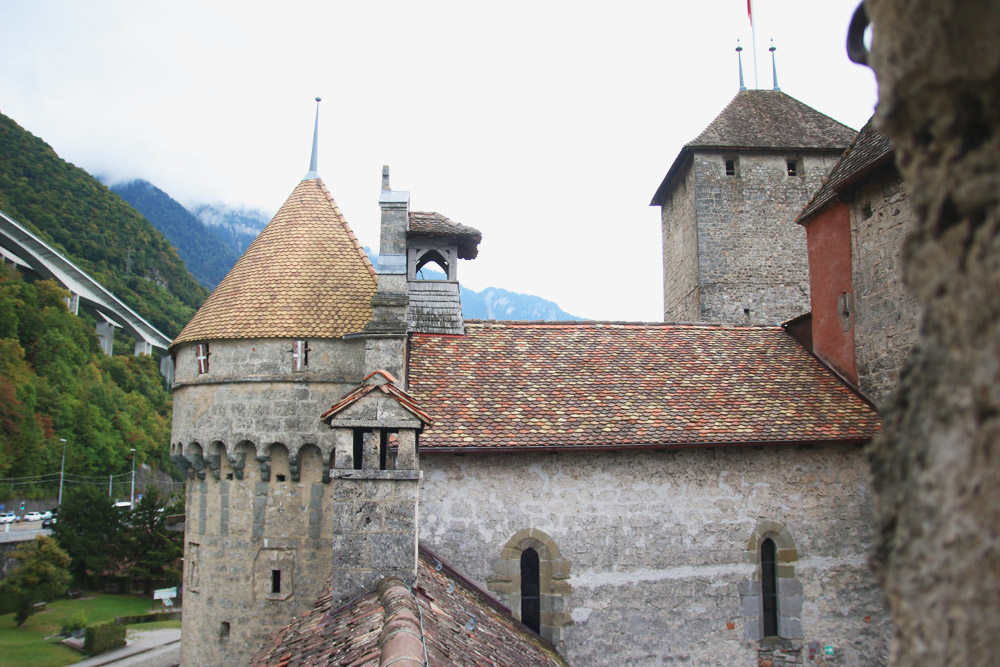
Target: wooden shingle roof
[305, 276]
[435, 224]
[592, 385]
[763, 120]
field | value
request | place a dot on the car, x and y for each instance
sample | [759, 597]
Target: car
[51, 521]
[8, 517]
[33, 516]
[47, 514]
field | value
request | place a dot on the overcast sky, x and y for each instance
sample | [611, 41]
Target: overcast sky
[546, 125]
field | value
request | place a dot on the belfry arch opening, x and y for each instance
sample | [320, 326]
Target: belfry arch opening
[437, 263]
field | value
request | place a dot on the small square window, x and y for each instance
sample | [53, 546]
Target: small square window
[793, 166]
[224, 630]
[300, 355]
[730, 167]
[202, 354]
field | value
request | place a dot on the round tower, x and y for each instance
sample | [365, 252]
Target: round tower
[260, 361]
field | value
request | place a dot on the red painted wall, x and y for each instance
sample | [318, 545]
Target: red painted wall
[828, 239]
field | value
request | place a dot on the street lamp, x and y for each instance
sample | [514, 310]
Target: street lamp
[62, 469]
[132, 502]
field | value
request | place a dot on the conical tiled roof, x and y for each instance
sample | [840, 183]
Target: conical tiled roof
[305, 276]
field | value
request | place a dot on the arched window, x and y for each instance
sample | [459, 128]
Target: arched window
[531, 611]
[769, 587]
[532, 578]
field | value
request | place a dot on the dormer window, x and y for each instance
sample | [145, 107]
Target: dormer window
[732, 166]
[300, 355]
[202, 354]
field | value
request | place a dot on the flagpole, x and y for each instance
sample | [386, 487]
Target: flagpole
[753, 34]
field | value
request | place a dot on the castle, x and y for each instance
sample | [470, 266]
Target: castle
[634, 493]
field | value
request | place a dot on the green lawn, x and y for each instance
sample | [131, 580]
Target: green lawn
[28, 645]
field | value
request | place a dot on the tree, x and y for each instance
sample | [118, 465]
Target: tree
[149, 550]
[90, 530]
[42, 575]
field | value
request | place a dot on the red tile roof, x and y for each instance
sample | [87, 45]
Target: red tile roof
[443, 601]
[512, 385]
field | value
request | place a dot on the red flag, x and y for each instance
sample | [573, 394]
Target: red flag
[750, 11]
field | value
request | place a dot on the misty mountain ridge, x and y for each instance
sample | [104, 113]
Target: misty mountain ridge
[239, 225]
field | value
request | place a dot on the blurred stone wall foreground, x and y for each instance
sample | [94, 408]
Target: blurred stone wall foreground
[937, 465]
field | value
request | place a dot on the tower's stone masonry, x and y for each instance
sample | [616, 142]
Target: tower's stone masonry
[886, 313]
[732, 252]
[681, 289]
[260, 500]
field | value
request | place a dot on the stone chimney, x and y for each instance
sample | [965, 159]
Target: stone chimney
[376, 492]
[386, 333]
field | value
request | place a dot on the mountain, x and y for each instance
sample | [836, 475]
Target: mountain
[494, 303]
[207, 251]
[237, 227]
[103, 235]
[58, 391]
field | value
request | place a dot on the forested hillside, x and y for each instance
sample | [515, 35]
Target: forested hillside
[101, 233]
[207, 251]
[56, 383]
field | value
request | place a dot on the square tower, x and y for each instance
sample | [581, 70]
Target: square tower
[731, 249]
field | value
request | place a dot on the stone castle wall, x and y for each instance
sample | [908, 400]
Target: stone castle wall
[652, 557]
[259, 497]
[752, 259]
[886, 314]
[680, 254]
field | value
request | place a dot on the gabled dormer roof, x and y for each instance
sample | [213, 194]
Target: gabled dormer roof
[763, 120]
[305, 276]
[377, 384]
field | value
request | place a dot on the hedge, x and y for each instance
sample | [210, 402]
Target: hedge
[104, 637]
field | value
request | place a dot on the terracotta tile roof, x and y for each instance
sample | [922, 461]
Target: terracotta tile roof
[435, 224]
[869, 151]
[378, 381]
[305, 276]
[763, 120]
[511, 385]
[358, 633]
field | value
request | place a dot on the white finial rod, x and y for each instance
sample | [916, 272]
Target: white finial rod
[774, 69]
[313, 173]
[739, 56]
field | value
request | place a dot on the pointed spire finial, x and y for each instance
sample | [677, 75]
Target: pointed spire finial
[739, 56]
[385, 177]
[774, 69]
[313, 174]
